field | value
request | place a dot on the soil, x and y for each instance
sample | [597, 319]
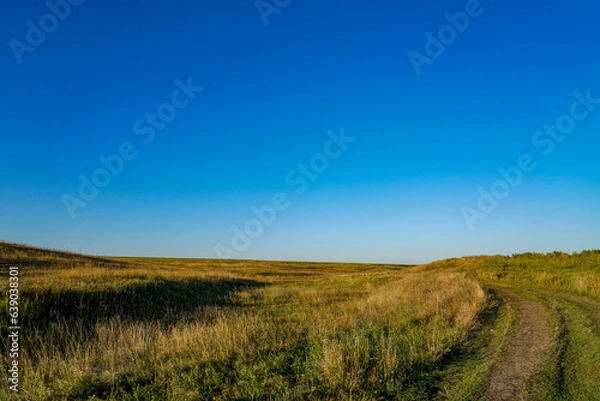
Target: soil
[530, 346]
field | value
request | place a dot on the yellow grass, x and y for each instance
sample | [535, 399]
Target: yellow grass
[274, 330]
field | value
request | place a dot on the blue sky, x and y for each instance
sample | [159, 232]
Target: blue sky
[272, 97]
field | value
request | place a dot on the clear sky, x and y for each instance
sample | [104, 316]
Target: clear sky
[372, 131]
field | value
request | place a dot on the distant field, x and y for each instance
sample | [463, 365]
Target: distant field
[187, 329]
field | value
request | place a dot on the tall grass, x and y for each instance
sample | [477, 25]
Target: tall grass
[148, 329]
[577, 273]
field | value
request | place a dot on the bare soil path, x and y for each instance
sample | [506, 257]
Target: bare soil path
[530, 346]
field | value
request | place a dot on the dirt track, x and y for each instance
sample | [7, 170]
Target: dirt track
[530, 346]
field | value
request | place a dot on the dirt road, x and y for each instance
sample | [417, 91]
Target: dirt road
[530, 346]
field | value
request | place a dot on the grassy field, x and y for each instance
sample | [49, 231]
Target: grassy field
[156, 329]
[575, 273]
[569, 285]
[188, 329]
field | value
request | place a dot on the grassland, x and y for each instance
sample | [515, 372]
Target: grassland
[188, 329]
[122, 329]
[569, 286]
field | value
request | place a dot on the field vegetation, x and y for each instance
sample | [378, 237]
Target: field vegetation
[120, 329]
[569, 286]
[189, 329]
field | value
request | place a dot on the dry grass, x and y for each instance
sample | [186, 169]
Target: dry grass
[578, 272]
[182, 329]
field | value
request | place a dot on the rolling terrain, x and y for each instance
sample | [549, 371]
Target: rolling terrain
[475, 328]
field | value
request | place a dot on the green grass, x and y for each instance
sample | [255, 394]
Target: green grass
[577, 362]
[467, 372]
[570, 286]
[578, 273]
[184, 329]
[189, 329]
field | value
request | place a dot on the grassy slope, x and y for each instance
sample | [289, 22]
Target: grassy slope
[139, 328]
[120, 329]
[570, 285]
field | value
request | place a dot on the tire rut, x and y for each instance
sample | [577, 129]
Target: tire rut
[531, 345]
